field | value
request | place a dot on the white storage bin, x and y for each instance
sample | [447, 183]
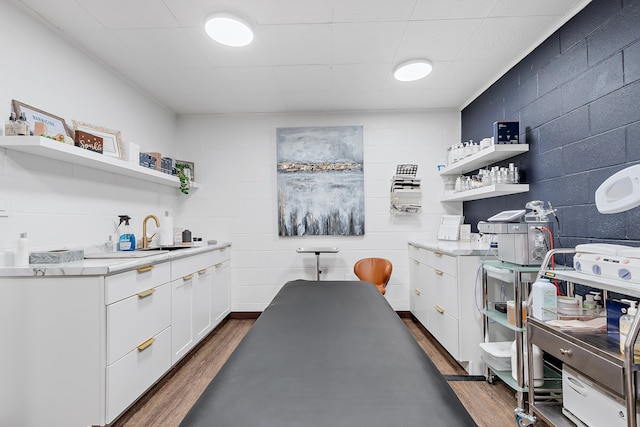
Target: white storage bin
[497, 354]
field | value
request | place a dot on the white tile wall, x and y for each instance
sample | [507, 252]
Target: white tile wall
[236, 162]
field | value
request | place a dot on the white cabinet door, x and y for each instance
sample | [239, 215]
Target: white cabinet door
[182, 338]
[202, 302]
[221, 292]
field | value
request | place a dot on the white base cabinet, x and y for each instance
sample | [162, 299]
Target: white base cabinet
[444, 297]
[201, 298]
[79, 350]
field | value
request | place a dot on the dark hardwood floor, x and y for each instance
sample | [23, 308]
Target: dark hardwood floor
[166, 404]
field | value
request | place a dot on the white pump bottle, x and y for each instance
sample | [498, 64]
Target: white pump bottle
[625, 326]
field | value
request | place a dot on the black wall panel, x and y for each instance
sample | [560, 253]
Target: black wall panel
[577, 97]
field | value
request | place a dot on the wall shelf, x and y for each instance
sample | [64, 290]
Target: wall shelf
[489, 155]
[486, 192]
[51, 149]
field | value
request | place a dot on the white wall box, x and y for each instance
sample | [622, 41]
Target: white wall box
[49, 148]
[443, 296]
[85, 347]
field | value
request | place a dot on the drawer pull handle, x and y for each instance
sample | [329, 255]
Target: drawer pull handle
[187, 277]
[218, 265]
[567, 352]
[417, 292]
[439, 272]
[203, 271]
[439, 309]
[416, 262]
[145, 269]
[438, 254]
[146, 344]
[146, 293]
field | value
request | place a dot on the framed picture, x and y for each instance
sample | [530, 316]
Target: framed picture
[189, 169]
[111, 139]
[53, 125]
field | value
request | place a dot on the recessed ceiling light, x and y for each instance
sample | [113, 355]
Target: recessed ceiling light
[228, 30]
[413, 70]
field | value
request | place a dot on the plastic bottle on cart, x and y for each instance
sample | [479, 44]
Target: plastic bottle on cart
[625, 326]
[545, 299]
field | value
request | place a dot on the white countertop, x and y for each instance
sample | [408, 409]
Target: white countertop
[104, 266]
[454, 248]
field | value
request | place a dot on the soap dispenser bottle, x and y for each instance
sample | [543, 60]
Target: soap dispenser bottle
[625, 326]
[127, 240]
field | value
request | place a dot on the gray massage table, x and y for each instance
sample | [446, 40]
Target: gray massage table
[330, 354]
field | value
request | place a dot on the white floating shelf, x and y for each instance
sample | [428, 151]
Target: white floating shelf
[494, 190]
[51, 149]
[488, 156]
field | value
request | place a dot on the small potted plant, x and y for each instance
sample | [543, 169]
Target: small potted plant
[183, 172]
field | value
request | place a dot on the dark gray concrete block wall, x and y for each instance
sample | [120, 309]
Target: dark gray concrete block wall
[577, 97]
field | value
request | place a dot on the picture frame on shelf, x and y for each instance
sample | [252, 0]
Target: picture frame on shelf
[111, 139]
[53, 125]
[189, 169]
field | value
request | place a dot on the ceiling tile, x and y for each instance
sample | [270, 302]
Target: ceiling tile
[437, 40]
[372, 10]
[303, 78]
[297, 44]
[359, 76]
[371, 42]
[505, 38]
[64, 14]
[291, 11]
[250, 80]
[119, 14]
[192, 13]
[449, 9]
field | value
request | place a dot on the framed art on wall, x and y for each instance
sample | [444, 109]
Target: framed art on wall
[320, 175]
[111, 139]
[53, 125]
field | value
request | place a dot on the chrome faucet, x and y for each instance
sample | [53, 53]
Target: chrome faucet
[146, 240]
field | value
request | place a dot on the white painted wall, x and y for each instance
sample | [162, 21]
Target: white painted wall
[57, 203]
[235, 159]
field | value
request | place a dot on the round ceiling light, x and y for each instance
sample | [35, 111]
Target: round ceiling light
[413, 70]
[228, 30]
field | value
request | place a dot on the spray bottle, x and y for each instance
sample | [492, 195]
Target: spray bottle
[625, 326]
[127, 240]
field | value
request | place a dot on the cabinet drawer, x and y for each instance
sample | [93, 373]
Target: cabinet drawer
[443, 290]
[133, 374]
[601, 370]
[123, 285]
[189, 265]
[418, 254]
[221, 255]
[442, 262]
[444, 328]
[136, 319]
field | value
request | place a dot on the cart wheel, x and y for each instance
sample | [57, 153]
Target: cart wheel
[490, 378]
[521, 422]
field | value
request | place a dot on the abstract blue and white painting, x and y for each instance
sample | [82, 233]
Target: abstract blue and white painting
[320, 181]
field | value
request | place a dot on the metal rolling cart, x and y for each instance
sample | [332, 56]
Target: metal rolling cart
[519, 277]
[596, 355]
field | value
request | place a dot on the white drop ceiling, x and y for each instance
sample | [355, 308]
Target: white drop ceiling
[307, 55]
